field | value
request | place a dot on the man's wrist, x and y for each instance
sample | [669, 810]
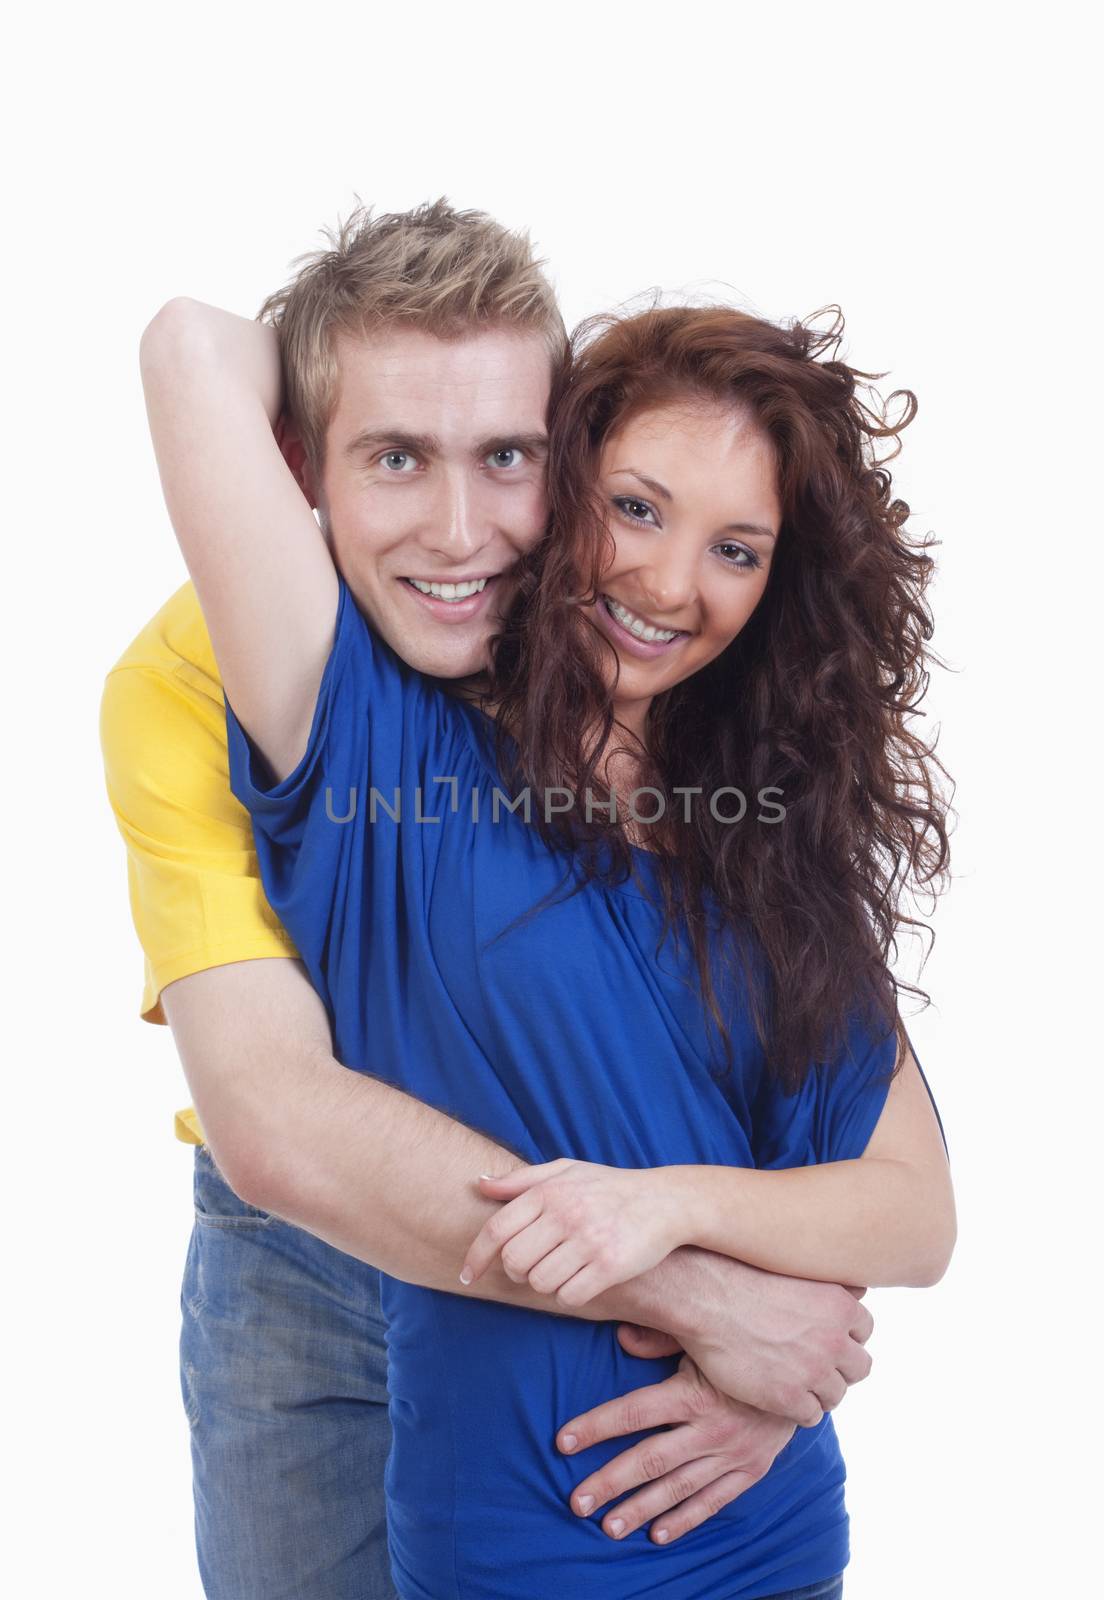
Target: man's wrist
[682, 1296]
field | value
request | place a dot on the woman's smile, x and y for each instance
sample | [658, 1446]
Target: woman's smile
[632, 631]
[692, 509]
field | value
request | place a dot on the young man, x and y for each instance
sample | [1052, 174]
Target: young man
[418, 356]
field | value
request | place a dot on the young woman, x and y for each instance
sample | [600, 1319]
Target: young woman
[789, 663]
[649, 1014]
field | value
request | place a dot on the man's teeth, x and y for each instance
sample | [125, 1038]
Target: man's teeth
[449, 591]
[642, 630]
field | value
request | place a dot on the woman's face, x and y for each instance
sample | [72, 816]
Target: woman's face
[692, 505]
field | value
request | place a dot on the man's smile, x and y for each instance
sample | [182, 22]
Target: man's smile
[453, 599]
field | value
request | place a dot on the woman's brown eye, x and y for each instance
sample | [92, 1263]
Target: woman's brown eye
[738, 556]
[636, 509]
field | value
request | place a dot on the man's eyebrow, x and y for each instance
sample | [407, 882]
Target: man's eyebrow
[419, 444]
[535, 443]
[428, 444]
[665, 494]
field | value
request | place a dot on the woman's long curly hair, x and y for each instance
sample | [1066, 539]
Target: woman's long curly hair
[813, 698]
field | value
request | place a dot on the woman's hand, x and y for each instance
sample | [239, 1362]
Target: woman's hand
[575, 1228]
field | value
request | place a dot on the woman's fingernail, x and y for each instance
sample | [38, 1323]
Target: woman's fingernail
[466, 1275]
[662, 1536]
[586, 1501]
[617, 1525]
[489, 1175]
[568, 1442]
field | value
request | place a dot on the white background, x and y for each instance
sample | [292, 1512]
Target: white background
[927, 168]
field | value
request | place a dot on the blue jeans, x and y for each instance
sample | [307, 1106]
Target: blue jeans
[283, 1371]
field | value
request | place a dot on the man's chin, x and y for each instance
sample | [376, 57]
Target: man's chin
[439, 651]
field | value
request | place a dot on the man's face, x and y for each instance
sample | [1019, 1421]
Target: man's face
[434, 485]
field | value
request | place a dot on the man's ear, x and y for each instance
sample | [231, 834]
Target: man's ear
[294, 453]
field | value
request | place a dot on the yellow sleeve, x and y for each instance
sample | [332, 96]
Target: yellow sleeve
[195, 890]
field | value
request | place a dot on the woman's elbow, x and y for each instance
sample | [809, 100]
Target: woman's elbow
[176, 331]
[935, 1255]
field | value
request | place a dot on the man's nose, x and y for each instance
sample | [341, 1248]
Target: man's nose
[457, 526]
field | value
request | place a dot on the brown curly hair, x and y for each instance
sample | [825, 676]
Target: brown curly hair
[814, 697]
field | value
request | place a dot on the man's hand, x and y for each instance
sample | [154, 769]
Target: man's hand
[714, 1448]
[785, 1345]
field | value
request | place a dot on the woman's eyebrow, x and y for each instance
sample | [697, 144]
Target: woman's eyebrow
[649, 483]
[665, 493]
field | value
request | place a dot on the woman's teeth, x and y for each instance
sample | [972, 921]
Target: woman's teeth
[449, 591]
[642, 630]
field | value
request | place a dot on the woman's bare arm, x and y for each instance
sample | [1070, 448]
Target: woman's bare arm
[257, 556]
[885, 1219]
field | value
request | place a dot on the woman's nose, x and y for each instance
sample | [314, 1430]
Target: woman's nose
[669, 585]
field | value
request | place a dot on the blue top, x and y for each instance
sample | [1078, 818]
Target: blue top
[566, 1036]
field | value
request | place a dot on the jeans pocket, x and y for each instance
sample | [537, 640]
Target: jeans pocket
[216, 1204]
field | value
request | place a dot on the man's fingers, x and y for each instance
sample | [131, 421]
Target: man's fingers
[699, 1507]
[650, 1407]
[647, 1343]
[856, 1363]
[661, 1455]
[862, 1324]
[832, 1391]
[683, 1497]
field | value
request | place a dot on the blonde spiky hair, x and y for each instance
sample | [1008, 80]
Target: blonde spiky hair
[443, 271]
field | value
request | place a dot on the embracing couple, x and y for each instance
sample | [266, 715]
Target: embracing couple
[545, 1148]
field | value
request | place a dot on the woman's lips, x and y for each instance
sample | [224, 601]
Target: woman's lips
[624, 639]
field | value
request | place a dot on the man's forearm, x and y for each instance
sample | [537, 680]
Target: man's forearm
[392, 1181]
[355, 1161]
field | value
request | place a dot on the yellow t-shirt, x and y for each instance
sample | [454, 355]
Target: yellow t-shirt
[195, 890]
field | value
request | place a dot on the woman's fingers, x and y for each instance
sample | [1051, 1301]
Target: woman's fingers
[556, 1267]
[496, 1231]
[531, 1248]
[522, 1178]
[579, 1289]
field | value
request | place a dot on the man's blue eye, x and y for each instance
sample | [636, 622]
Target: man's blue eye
[395, 460]
[509, 456]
